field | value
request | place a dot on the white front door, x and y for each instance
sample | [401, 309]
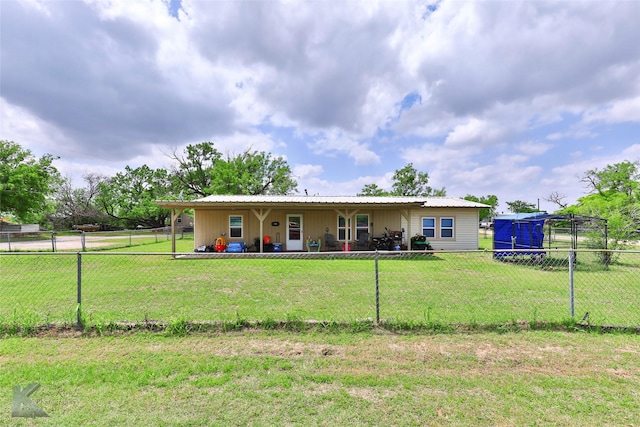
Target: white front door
[295, 233]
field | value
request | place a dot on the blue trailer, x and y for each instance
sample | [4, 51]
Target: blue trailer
[519, 234]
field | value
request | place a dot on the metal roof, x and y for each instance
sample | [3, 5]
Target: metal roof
[274, 200]
[523, 216]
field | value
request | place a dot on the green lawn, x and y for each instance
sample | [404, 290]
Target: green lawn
[443, 288]
[279, 378]
[324, 376]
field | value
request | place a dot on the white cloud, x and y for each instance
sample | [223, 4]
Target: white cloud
[335, 143]
[534, 148]
[475, 133]
[19, 125]
[106, 82]
[307, 171]
[627, 110]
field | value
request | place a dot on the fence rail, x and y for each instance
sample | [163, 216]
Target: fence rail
[470, 287]
[81, 240]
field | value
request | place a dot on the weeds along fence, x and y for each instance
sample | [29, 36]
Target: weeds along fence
[49, 241]
[452, 288]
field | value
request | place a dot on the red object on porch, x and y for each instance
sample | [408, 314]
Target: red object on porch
[221, 245]
[267, 240]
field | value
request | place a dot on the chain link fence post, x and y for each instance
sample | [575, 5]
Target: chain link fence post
[572, 257]
[377, 291]
[79, 292]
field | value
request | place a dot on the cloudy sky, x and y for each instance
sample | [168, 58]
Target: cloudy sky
[516, 99]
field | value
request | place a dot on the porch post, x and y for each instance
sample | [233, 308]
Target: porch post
[346, 229]
[175, 213]
[406, 234]
[348, 225]
[261, 215]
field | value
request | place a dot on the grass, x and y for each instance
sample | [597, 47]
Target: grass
[283, 378]
[436, 291]
[345, 371]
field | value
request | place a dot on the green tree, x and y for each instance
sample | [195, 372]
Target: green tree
[26, 182]
[202, 171]
[617, 178]
[372, 190]
[519, 206]
[490, 200]
[194, 170]
[253, 173]
[613, 197]
[129, 197]
[407, 181]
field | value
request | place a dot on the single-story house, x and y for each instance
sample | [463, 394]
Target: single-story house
[448, 223]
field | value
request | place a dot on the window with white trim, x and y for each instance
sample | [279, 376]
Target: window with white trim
[446, 228]
[235, 226]
[343, 227]
[429, 227]
[362, 225]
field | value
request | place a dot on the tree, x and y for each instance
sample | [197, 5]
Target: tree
[518, 206]
[617, 178]
[407, 181]
[490, 200]
[75, 206]
[25, 182]
[202, 171]
[558, 199]
[372, 190]
[129, 198]
[614, 197]
[194, 168]
[253, 173]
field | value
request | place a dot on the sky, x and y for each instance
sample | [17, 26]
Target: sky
[515, 99]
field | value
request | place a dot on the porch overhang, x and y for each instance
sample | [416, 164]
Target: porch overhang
[346, 206]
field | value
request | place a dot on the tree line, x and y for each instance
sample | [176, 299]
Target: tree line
[33, 191]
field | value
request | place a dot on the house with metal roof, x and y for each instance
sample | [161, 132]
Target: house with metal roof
[287, 223]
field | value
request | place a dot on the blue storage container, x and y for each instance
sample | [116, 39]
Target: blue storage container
[237, 247]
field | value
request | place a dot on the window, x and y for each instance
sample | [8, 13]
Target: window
[362, 226]
[429, 227]
[235, 226]
[446, 228]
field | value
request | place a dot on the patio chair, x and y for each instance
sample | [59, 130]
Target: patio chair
[330, 243]
[363, 241]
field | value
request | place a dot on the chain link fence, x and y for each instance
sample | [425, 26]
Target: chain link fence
[51, 241]
[452, 288]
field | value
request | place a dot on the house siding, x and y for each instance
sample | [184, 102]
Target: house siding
[465, 228]
[209, 224]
